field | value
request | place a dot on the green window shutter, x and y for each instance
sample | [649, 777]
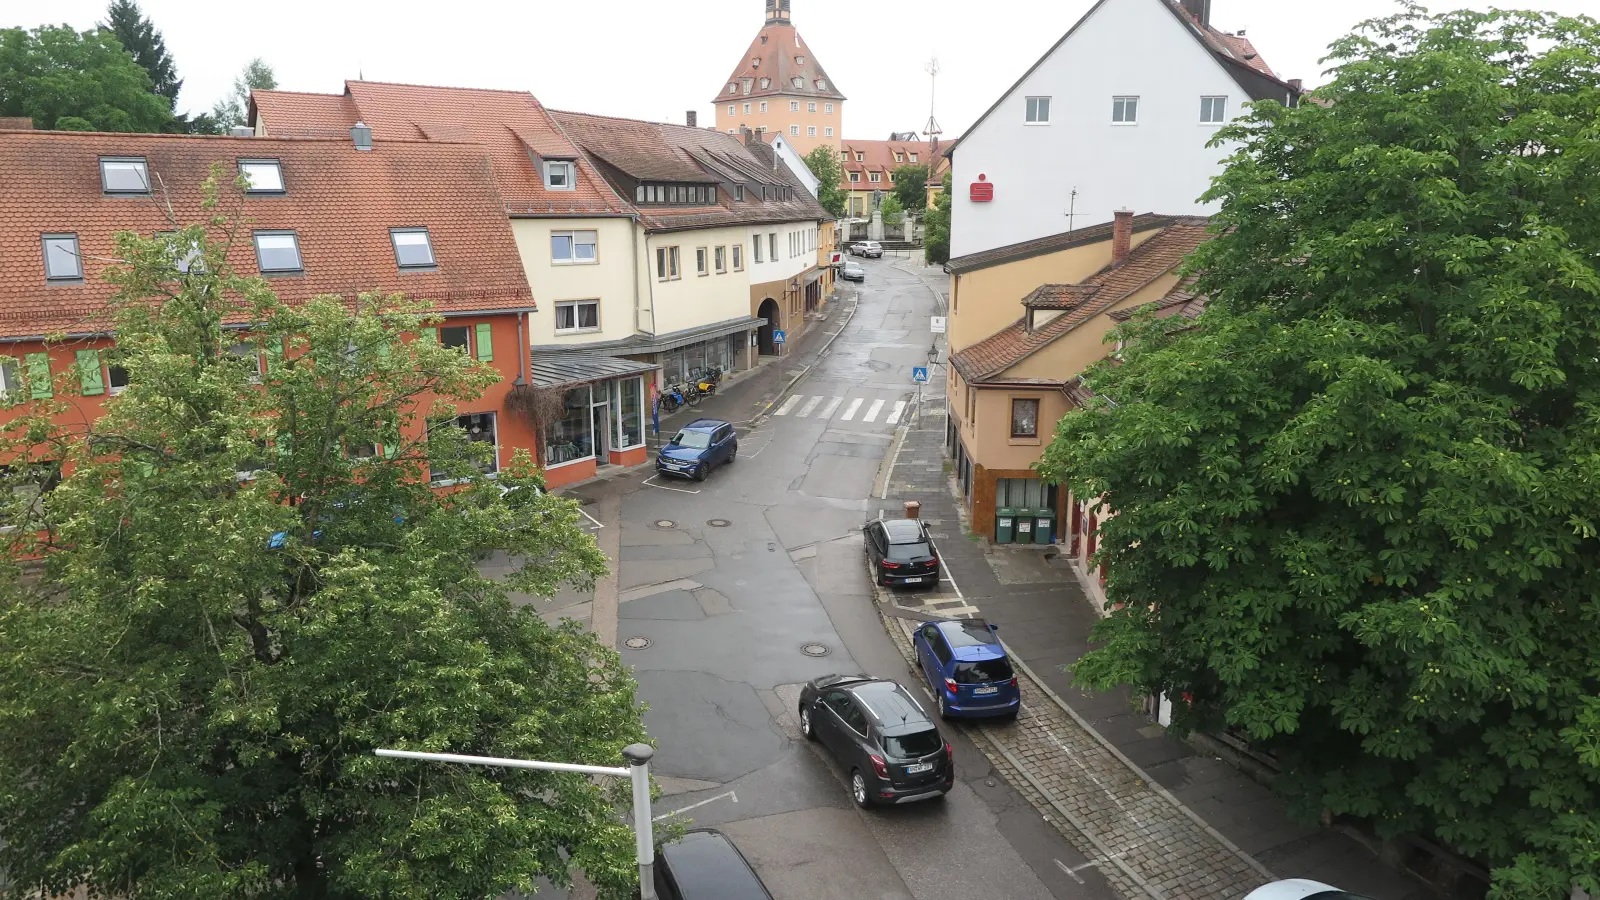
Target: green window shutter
[39, 376]
[485, 342]
[90, 376]
[430, 334]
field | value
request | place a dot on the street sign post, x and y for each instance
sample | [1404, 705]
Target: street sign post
[919, 374]
[938, 324]
[777, 337]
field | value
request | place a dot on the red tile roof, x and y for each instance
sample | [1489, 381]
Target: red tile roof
[1050, 243]
[1236, 46]
[878, 156]
[339, 201]
[1160, 254]
[774, 55]
[1059, 296]
[512, 125]
[1180, 301]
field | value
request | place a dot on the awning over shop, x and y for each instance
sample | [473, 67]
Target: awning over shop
[813, 276]
[570, 369]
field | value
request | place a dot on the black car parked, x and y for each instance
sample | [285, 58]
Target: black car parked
[705, 865]
[901, 551]
[880, 734]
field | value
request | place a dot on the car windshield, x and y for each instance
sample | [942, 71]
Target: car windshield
[919, 550]
[983, 671]
[917, 743]
[694, 440]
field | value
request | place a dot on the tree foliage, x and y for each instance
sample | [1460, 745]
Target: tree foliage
[191, 692]
[234, 109]
[69, 81]
[1356, 505]
[137, 35]
[824, 164]
[911, 187]
[893, 212]
[936, 228]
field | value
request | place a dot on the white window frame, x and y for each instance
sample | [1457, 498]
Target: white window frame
[720, 259]
[855, 177]
[248, 164]
[1033, 106]
[828, 132]
[702, 261]
[794, 130]
[1119, 106]
[569, 167]
[760, 258]
[668, 256]
[573, 241]
[913, 158]
[738, 257]
[733, 109]
[575, 308]
[811, 107]
[874, 177]
[794, 106]
[747, 109]
[1213, 104]
[811, 131]
[827, 109]
[763, 106]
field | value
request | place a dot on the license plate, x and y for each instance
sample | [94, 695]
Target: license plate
[914, 768]
[913, 581]
[985, 690]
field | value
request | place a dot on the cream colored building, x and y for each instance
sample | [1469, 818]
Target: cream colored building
[780, 87]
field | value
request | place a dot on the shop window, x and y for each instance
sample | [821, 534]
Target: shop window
[571, 438]
[1019, 493]
[479, 428]
[627, 426]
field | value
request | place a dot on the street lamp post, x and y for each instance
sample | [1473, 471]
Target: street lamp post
[637, 770]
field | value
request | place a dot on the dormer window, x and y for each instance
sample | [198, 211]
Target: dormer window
[799, 82]
[559, 175]
[746, 83]
[799, 60]
[733, 88]
[675, 194]
[899, 157]
[821, 85]
[913, 157]
[124, 175]
[766, 83]
[265, 175]
[861, 157]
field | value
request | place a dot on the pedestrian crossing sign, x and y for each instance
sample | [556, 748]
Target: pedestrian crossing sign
[919, 374]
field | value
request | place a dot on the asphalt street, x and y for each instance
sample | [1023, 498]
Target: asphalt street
[731, 581]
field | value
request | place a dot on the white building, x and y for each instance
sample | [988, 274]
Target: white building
[1117, 115]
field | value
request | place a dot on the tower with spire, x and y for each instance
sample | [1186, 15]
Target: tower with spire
[779, 87]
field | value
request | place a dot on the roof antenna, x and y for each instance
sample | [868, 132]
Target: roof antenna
[932, 129]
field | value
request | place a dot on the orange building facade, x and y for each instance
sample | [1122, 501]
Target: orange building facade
[779, 87]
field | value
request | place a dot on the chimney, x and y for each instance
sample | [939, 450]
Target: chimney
[777, 12]
[242, 131]
[691, 119]
[1121, 235]
[16, 123]
[1200, 10]
[362, 135]
[751, 138]
[1297, 84]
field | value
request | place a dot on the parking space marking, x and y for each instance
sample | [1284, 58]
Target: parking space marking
[597, 525]
[850, 411]
[872, 411]
[806, 410]
[730, 795]
[894, 414]
[787, 405]
[651, 481]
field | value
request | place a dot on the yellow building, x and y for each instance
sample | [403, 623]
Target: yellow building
[780, 87]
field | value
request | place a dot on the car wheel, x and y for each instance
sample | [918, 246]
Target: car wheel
[944, 706]
[734, 453]
[702, 471]
[805, 724]
[858, 789]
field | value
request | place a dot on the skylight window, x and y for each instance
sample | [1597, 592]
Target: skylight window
[278, 252]
[558, 175]
[265, 175]
[124, 175]
[61, 259]
[412, 248]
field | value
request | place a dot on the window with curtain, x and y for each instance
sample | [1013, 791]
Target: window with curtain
[1024, 417]
[571, 437]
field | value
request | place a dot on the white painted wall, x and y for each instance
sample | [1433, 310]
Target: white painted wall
[692, 300]
[609, 279]
[788, 264]
[796, 163]
[1160, 165]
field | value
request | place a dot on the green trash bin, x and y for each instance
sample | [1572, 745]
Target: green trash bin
[1043, 524]
[1024, 526]
[1005, 523]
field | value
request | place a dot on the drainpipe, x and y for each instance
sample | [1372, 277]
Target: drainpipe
[522, 351]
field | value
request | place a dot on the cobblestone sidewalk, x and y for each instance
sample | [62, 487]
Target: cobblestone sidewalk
[1146, 844]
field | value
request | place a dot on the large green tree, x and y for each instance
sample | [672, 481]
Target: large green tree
[824, 164]
[911, 187]
[1356, 505]
[138, 35]
[234, 109]
[936, 228]
[248, 585]
[69, 81]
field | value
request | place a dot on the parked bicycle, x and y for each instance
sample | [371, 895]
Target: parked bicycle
[691, 393]
[670, 399]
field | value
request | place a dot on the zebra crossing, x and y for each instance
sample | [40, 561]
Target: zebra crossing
[862, 410]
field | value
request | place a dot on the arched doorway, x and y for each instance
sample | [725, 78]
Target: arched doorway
[768, 311]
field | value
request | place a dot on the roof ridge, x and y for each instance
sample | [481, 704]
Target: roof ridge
[435, 87]
[299, 93]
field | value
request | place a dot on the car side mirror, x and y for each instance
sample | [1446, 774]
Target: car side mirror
[993, 627]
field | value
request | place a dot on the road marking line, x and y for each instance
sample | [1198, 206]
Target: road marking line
[850, 411]
[894, 414]
[596, 522]
[872, 411]
[730, 795]
[806, 410]
[651, 482]
[787, 405]
[1071, 873]
[827, 411]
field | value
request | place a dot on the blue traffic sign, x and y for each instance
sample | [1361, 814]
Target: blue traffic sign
[919, 374]
[777, 337]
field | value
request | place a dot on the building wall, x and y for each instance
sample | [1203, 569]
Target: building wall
[778, 118]
[986, 300]
[692, 300]
[610, 279]
[1161, 164]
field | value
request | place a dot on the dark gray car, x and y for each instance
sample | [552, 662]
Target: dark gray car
[880, 734]
[705, 865]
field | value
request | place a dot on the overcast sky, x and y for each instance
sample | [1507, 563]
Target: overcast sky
[654, 60]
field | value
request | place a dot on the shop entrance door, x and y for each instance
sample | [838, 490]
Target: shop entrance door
[600, 421]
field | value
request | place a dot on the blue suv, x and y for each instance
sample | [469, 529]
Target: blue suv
[967, 669]
[697, 447]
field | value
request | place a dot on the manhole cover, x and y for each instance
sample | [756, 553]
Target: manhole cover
[636, 643]
[814, 650]
[718, 523]
[665, 523]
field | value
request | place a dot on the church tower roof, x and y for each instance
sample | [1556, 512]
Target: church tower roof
[778, 63]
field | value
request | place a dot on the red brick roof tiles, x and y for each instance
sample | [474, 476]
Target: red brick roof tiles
[878, 156]
[773, 55]
[339, 201]
[1160, 254]
[1059, 296]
